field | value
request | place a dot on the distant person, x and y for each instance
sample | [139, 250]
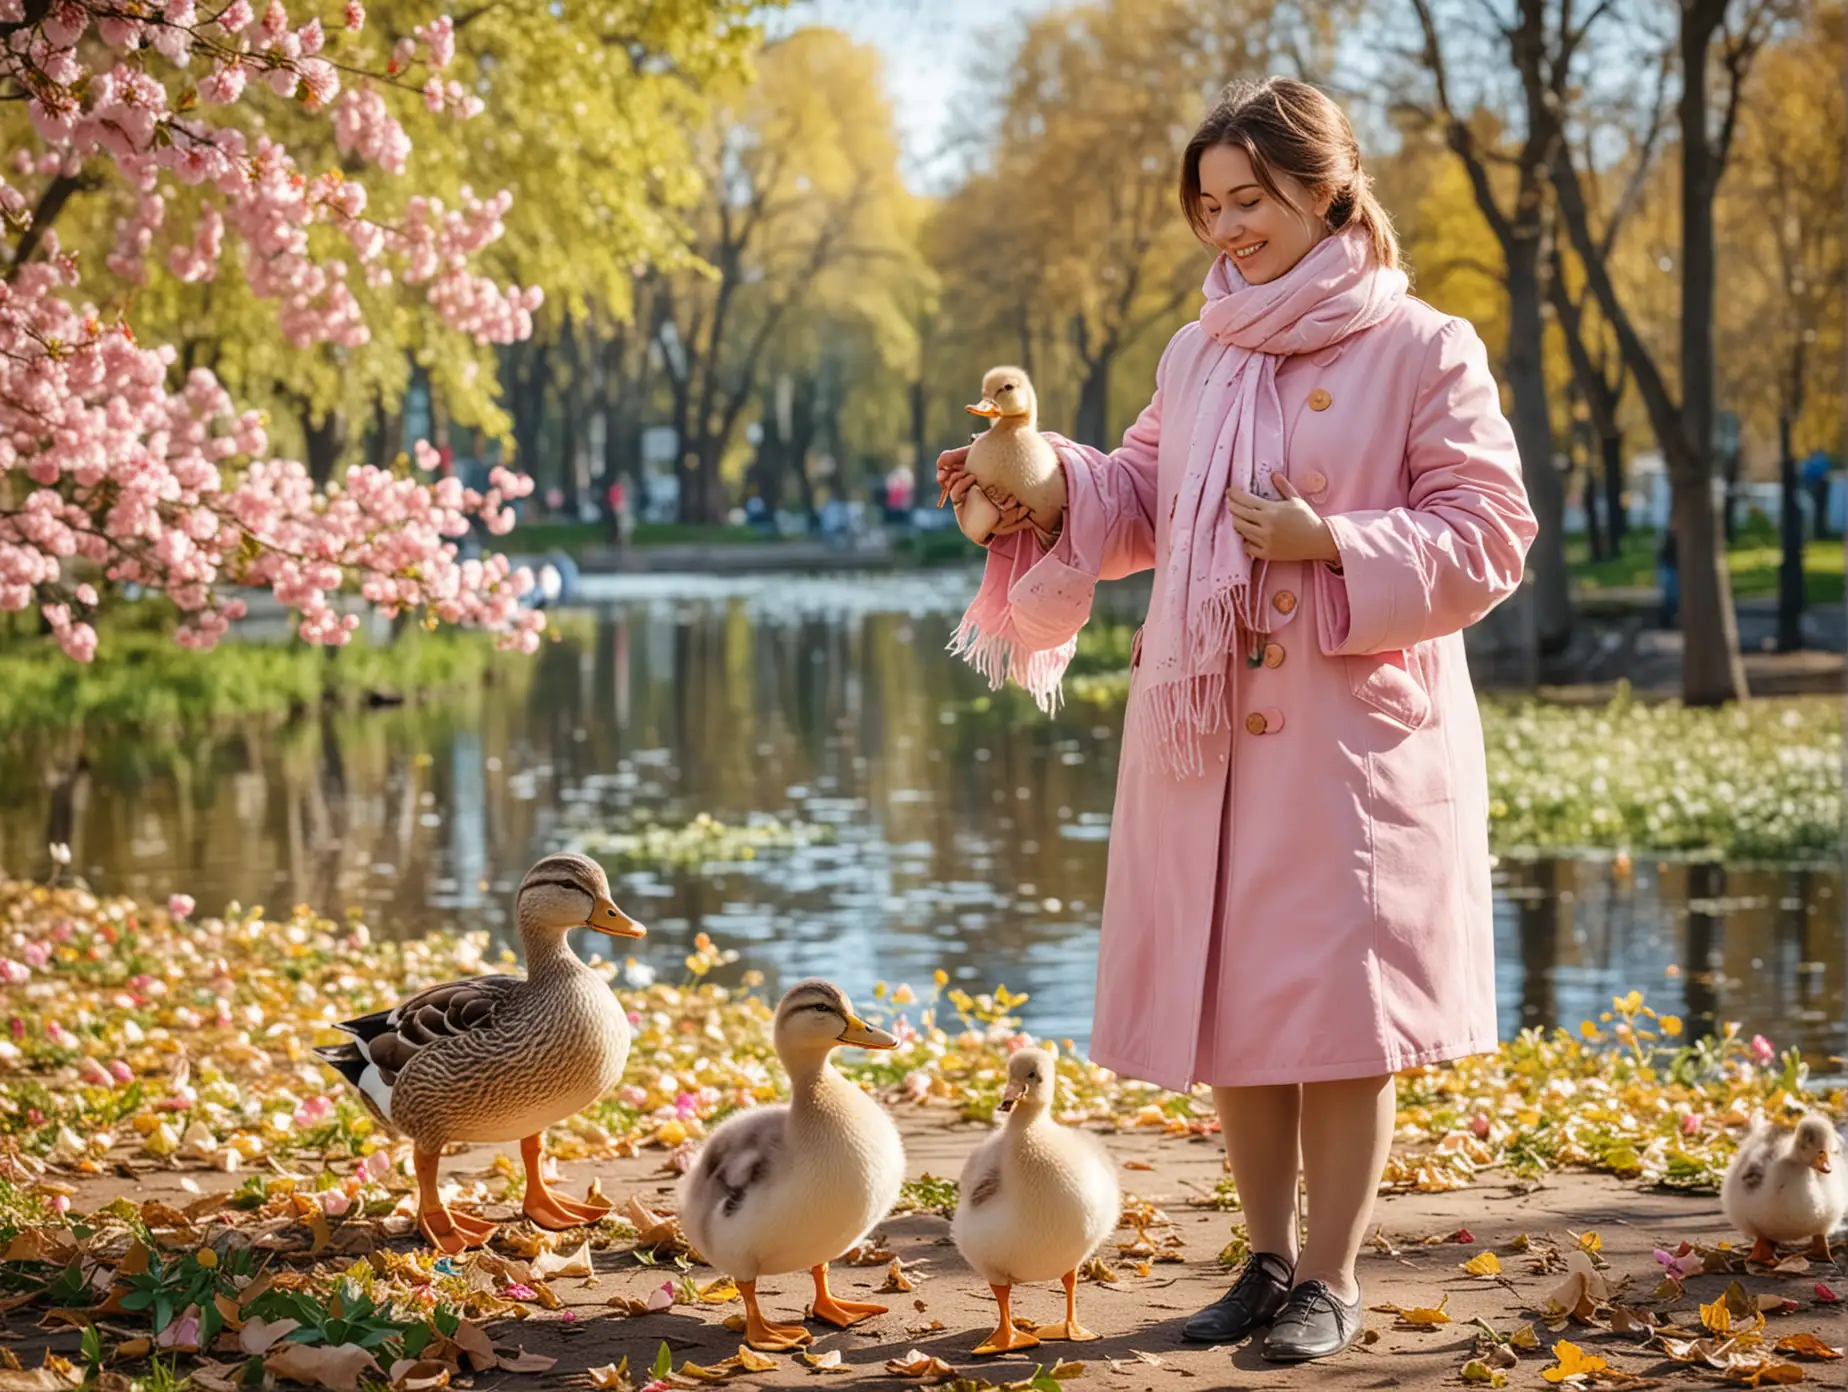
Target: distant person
[1816, 470]
[622, 515]
[1298, 903]
[1668, 576]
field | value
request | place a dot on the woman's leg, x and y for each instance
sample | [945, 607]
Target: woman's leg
[1346, 1133]
[1260, 1125]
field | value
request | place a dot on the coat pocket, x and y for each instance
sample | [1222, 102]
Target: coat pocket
[1391, 683]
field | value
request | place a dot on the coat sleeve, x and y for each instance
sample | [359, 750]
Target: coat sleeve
[1457, 549]
[1108, 532]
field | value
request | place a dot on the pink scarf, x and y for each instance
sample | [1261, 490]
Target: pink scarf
[1211, 587]
[1208, 588]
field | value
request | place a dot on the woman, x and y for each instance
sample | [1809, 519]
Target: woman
[1298, 897]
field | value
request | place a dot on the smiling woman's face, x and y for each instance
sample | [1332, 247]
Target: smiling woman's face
[1263, 235]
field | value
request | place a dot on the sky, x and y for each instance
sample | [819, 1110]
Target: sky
[927, 45]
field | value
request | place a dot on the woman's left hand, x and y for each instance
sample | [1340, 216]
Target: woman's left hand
[1290, 530]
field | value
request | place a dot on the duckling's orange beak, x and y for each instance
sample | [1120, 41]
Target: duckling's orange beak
[1821, 1163]
[865, 1036]
[1010, 1096]
[985, 407]
[607, 918]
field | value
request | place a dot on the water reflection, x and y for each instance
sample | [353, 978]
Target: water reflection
[969, 835]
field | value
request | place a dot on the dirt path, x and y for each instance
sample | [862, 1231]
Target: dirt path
[1140, 1316]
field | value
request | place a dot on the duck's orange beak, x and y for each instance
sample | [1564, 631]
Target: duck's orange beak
[607, 918]
[985, 407]
[1821, 1163]
[1010, 1096]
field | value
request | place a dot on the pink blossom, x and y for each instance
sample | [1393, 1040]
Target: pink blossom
[314, 1110]
[93, 1073]
[181, 905]
[355, 16]
[14, 973]
[375, 1166]
[1762, 1049]
[1690, 1125]
[335, 1202]
[183, 1333]
[60, 1203]
[120, 1071]
[513, 1290]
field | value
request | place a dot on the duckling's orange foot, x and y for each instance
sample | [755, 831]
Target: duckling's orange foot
[845, 1313]
[765, 1337]
[1070, 1329]
[1763, 1252]
[1006, 1339]
[1819, 1249]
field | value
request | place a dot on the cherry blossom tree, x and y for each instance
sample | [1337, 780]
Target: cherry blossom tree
[115, 468]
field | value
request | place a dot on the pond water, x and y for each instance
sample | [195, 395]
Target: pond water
[967, 833]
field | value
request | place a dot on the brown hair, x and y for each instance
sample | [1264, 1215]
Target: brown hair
[1288, 127]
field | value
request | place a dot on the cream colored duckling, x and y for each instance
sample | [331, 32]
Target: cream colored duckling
[790, 1188]
[500, 1058]
[1788, 1186]
[1013, 465]
[1037, 1199]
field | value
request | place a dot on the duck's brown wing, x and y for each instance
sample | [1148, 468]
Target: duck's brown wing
[390, 1039]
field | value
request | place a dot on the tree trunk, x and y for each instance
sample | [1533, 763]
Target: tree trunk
[1713, 673]
[1093, 421]
[1611, 442]
[1790, 530]
[1533, 434]
[1595, 530]
[923, 462]
[325, 439]
[802, 430]
[772, 452]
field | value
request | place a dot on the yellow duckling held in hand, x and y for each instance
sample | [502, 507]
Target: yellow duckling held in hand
[1013, 466]
[1037, 1198]
[500, 1058]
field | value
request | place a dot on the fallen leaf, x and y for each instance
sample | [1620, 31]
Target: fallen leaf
[1806, 1345]
[1478, 1371]
[1827, 1296]
[611, 1377]
[720, 1292]
[1625, 1320]
[752, 1361]
[1757, 1374]
[1574, 1364]
[652, 1229]
[577, 1263]
[1135, 1165]
[896, 1279]
[1418, 1316]
[54, 1375]
[829, 1362]
[1065, 1372]
[520, 1361]
[1483, 1264]
[921, 1366]
[419, 1375]
[474, 1341]
[259, 1336]
[1717, 1316]
[338, 1367]
[1524, 1339]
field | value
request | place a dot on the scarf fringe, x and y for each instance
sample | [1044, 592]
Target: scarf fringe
[1000, 656]
[1175, 716]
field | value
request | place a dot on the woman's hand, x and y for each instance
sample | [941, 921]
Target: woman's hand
[1290, 530]
[951, 479]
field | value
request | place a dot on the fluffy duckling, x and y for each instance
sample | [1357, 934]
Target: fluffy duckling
[1011, 462]
[1788, 1186]
[789, 1188]
[1037, 1199]
[500, 1058]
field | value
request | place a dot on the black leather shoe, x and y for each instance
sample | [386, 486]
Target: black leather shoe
[1260, 1292]
[1313, 1324]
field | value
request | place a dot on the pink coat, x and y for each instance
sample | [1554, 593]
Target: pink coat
[1316, 904]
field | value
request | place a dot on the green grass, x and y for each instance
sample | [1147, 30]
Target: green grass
[1753, 559]
[1761, 781]
[143, 682]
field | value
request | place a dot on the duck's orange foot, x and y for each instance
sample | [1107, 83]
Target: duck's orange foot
[766, 1337]
[453, 1233]
[1070, 1329]
[1763, 1252]
[845, 1313]
[555, 1211]
[1006, 1339]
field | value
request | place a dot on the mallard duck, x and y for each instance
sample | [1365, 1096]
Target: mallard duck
[1037, 1199]
[1010, 461]
[791, 1187]
[1787, 1186]
[500, 1058]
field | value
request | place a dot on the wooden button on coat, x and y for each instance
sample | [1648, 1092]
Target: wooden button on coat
[1273, 655]
[1283, 602]
[1320, 400]
[1265, 722]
